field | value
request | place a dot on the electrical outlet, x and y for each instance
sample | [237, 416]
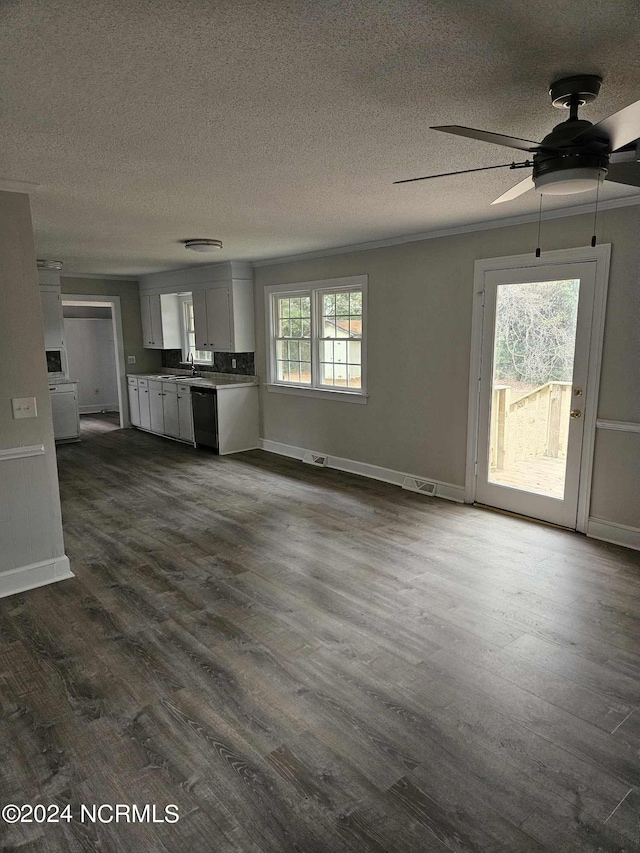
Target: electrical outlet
[24, 407]
[233, 362]
[131, 359]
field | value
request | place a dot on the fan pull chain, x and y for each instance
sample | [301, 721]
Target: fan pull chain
[595, 216]
[539, 223]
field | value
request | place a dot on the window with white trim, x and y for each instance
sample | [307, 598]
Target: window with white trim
[317, 336]
[189, 334]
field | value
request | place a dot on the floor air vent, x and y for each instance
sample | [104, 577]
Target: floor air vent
[319, 459]
[424, 487]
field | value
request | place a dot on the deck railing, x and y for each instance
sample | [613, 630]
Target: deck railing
[534, 425]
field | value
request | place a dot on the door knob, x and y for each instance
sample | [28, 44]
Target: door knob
[575, 413]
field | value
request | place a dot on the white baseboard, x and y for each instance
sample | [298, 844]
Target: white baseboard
[29, 577]
[364, 469]
[617, 534]
[94, 410]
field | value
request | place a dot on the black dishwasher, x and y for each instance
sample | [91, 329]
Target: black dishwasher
[204, 403]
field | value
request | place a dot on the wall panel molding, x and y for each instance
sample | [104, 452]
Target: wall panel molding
[21, 452]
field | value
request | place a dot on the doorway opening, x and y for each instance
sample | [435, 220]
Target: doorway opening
[95, 355]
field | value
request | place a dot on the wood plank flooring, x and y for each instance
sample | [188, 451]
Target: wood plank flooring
[303, 660]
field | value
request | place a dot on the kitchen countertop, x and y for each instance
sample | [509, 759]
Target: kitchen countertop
[62, 382]
[218, 381]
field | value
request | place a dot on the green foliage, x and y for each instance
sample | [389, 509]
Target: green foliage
[535, 332]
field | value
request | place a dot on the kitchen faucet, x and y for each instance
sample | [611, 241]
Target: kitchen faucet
[193, 367]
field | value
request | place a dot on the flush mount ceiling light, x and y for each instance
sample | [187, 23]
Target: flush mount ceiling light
[44, 264]
[203, 245]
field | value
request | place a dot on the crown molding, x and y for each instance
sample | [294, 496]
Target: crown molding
[487, 225]
[106, 276]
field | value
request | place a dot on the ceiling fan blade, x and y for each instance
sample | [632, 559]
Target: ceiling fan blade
[518, 190]
[619, 129]
[628, 154]
[624, 173]
[487, 136]
[461, 172]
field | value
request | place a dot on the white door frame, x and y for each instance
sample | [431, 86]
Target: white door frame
[601, 255]
[116, 319]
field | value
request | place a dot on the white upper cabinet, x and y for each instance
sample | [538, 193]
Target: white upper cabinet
[160, 314]
[223, 317]
[52, 317]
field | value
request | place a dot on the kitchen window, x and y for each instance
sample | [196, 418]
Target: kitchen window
[317, 338]
[189, 335]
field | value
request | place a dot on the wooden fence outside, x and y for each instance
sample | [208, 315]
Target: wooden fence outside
[535, 425]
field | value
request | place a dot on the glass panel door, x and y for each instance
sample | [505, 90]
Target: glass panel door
[535, 345]
[534, 349]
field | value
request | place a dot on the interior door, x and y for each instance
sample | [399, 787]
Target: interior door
[533, 382]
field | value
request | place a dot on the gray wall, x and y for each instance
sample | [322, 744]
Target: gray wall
[92, 361]
[147, 360]
[30, 519]
[420, 308]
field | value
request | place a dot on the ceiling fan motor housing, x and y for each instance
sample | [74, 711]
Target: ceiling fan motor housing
[569, 168]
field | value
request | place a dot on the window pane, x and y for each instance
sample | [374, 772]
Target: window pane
[305, 372]
[305, 350]
[285, 329]
[355, 302]
[305, 306]
[294, 371]
[284, 308]
[326, 351]
[354, 351]
[294, 351]
[329, 304]
[280, 372]
[202, 355]
[355, 376]
[327, 374]
[340, 351]
[306, 328]
[281, 350]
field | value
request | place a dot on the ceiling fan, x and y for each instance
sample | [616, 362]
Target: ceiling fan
[577, 155]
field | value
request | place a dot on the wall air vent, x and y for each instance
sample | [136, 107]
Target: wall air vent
[424, 487]
[318, 459]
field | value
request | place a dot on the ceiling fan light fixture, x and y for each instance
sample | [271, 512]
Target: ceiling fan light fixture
[202, 245]
[570, 181]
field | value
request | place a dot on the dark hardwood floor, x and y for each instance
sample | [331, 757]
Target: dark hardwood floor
[303, 660]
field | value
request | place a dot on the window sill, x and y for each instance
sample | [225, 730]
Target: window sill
[300, 391]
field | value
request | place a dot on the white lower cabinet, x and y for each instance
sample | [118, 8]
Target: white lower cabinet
[134, 401]
[156, 407]
[145, 409]
[64, 410]
[161, 407]
[185, 414]
[170, 410]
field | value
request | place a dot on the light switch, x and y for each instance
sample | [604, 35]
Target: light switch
[131, 359]
[24, 407]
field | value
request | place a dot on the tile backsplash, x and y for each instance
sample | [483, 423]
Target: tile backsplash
[245, 363]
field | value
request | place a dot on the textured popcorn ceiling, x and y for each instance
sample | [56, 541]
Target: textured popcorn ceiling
[278, 127]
